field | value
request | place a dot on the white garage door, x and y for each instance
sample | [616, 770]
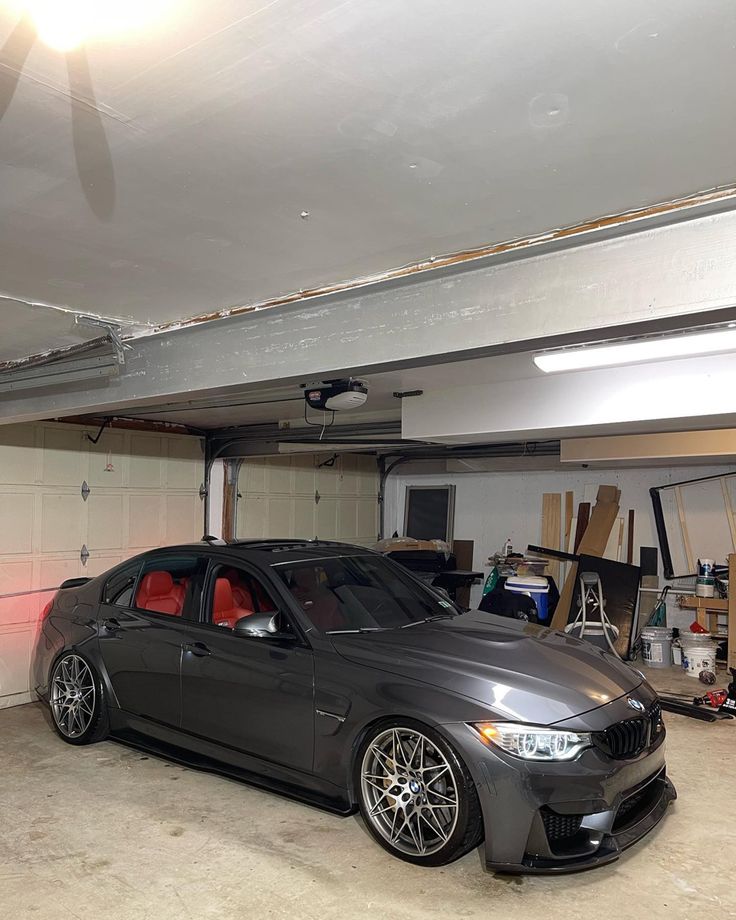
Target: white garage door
[143, 492]
[307, 496]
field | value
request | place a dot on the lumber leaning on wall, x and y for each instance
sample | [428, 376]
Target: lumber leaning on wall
[593, 543]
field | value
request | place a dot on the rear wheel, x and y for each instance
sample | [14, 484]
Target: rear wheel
[77, 702]
[416, 795]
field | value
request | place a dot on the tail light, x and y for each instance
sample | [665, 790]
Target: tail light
[47, 609]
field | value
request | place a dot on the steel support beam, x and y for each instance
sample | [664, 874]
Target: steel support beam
[662, 277]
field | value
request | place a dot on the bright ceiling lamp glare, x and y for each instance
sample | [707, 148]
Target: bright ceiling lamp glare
[683, 345]
[67, 24]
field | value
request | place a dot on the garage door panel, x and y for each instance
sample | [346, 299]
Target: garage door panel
[367, 520]
[327, 519]
[16, 522]
[15, 577]
[98, 563]
[347, 520]
[253, 476]
[19, 459]
[280, 516]
[304, 478]
[16, 644]
[53, 571]
[184, 467]
[65, 461]
[146, 461]
[327, 477]
[145, 527]
[106, 460]
[183, 512]
[303, 526]
[61, 522]
[279, 475]
[252, 518]
[105, 522]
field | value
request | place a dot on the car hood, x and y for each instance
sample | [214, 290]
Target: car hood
[520, 671]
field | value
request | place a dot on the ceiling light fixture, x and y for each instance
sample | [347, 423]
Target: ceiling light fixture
[66, 24]
[683, 345]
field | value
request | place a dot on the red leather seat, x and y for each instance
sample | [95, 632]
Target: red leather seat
[225, 612]
[241, 595]
[158, 593]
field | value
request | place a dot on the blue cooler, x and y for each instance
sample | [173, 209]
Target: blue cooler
[535, 587]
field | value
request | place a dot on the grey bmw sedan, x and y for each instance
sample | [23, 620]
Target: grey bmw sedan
[329, 673]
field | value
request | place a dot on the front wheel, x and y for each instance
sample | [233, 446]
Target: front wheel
[77, 701]
[416, 795]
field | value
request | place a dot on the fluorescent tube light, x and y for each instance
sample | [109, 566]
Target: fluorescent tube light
[654, 349]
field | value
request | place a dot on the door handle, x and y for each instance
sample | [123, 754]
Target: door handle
[111, 625]
[197, 648]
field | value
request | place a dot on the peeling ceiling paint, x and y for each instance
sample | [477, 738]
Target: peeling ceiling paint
[252, 154]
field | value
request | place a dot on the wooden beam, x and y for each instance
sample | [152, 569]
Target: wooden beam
[551, 520]
[683, 528]
[583, 518]
[630, 539]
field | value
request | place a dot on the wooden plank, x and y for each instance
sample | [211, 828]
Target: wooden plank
[729, 511]
[551, 521]
[732, 611]
[593, 543]
[707, 603]
[630, 539]
[583, 518]
[569, 510]
[683, 528]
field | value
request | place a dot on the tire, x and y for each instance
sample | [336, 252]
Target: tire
[77, 700]
[415, 794]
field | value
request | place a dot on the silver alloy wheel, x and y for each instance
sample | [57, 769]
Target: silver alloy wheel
[409, 791]
[72, 696]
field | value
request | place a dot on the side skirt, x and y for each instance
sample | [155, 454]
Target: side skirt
[200, 754]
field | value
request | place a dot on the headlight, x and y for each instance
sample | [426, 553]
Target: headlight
[532, 743]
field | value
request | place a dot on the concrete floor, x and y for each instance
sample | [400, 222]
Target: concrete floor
[106, 832]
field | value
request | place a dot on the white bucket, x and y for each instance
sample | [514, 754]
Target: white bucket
[656, 647]
[698, 653]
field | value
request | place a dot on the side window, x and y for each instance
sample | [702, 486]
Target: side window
[119, 587]
[236, 593]
[168, 584]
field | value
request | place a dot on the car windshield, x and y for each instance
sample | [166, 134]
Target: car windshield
[360, 593]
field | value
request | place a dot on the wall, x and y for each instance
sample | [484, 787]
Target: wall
[489, 507]
[144, 492]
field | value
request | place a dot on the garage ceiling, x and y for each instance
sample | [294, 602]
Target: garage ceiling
[243, 151]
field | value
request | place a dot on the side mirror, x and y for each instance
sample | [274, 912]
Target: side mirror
[260, 626]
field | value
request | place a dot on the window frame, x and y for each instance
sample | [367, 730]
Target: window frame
[187, 616]
[116, 573]
[450, 514]
[283, 608]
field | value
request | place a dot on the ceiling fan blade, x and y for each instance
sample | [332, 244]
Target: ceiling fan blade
[91, 149]
[13, 55]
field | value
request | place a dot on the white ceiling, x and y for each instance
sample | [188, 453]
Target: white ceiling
[405, 130]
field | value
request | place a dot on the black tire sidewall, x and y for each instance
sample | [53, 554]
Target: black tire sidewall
[456, 845]
[98, 725]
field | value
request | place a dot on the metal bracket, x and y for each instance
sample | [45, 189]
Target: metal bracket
[203, 491]
[112, 330]
[84, 554]
[85, 490]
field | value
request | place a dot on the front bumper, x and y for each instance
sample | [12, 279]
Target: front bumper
[564, 817]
